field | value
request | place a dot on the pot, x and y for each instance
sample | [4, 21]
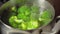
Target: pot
[7, 29]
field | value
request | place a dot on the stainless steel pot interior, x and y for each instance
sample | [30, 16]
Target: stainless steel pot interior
[4, 10]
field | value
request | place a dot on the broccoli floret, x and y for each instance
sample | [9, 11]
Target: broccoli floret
[46, 14]
[12, 18]
[45, 17]
[24, 26]
[24, 9]
[34, 12]
[14, 9]
[12, 22]
[35, 9]
[33, 24]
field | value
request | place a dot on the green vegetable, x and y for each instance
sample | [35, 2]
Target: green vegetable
[34, 12]
[45, 17]
[27, 17]
[24, 26]
[23, 12]
[14, 9]
[12, 22]
[12, 18]
[24, 9]
[33, 24]
[35, 9]
[46, 14]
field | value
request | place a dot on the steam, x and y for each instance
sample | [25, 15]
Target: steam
[12, 2]
[41, 5]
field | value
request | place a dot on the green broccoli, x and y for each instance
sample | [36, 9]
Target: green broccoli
[45, 17]
[12, 22]
[14, 19]
[24, 9]
[14, 9]
[35, 9]
[24, 26]
[33, 24]
[28, 18]
[46, 14]
[25, 19]
[24, 12]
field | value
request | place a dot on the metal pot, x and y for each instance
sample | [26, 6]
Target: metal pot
[6, 29]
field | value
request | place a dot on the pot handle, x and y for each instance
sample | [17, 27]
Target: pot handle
[56, 28]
